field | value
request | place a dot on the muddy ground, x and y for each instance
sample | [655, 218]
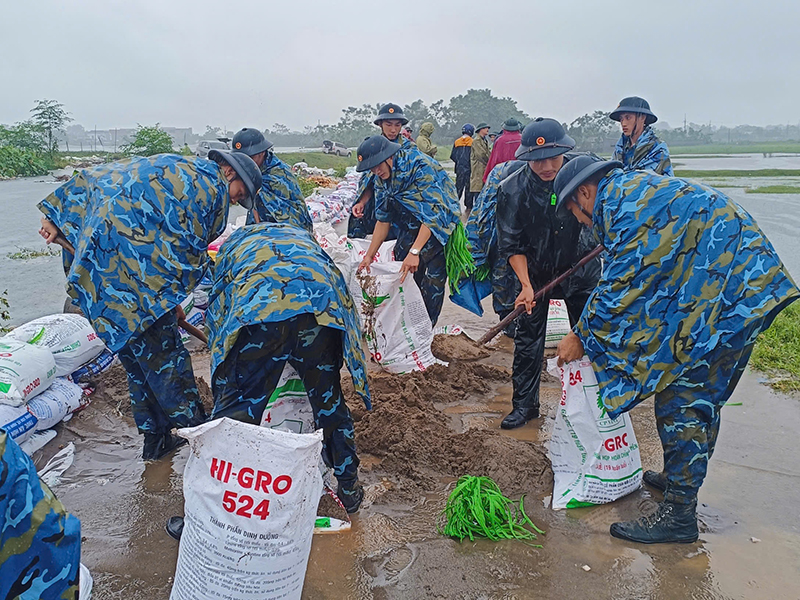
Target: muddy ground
[425, 431]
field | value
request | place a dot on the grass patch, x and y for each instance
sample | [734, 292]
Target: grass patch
[318, 159]
[774, 147]
[306, 186]
[30, 253]
[705, 174]
[777, 350]
[775, 189]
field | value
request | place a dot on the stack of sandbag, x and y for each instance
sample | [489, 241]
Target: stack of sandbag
[39, 363]
[334, 206]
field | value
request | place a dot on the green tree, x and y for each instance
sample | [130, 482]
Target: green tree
[473, 107]
[594, 132]
[51, 117]
[25, 135]
[148, 141]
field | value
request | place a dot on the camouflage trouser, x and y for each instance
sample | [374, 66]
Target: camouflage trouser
[431, 276]
[687, 415]
[160, 379]
[244, 382]
[40, 542]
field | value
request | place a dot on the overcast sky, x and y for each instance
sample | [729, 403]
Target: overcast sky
[238, 63]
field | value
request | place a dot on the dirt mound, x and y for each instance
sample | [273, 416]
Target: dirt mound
[418, 447]
[457, 347]
[328, 507]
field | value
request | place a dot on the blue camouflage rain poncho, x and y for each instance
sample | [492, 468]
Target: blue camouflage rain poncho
[649, 153]
[422, 189]
[687, 270]
[482, 235]
[140, 228]
[280, 199]
[361, 228]
[280, 272]
[40, 542]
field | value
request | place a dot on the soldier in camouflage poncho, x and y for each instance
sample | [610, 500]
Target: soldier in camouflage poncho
[689, 282]
[482, 235]
[278, 297]
[362, 222]
[135, 235]
[639, 148]
[40, 542]
[280, 199]
[415, 193]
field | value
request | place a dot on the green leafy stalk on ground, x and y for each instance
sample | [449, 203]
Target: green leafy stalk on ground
[775, 189]
[705, 174]
[29, 253]
[777, 350]
[306, 186]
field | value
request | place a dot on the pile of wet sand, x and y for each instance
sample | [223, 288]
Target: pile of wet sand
[417, 446]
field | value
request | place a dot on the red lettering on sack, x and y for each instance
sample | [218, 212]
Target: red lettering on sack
[616, 443]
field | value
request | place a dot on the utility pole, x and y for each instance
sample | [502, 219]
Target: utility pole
[115, 140]
[95, 138]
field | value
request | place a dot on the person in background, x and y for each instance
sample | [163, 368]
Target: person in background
[424, 142]
[479, 158]
[40, 542]
[391, 120]
[415, 193]
[460, 155]
[639, 148]
[407, 131]
[505, 146]
[539, 246]
[688, 283]
[135, 235]
[280, 199]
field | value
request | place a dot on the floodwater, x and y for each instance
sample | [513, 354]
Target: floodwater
[393, 550]
[741, 162]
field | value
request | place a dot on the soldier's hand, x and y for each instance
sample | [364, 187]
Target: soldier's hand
[48, 231]
[525, 298]
[410, 265]
[180, 313]
[570, 348]
[365, 263]
[358, 209]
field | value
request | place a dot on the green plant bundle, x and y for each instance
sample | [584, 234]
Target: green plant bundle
[483, 272]
[458, 257]
[476, 508]
[307, 186]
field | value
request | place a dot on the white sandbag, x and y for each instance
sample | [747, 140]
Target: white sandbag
[595, 459]
[196, 317]
[86, 584]
[25, 371]
[59, 400]
[69, 337]
[557, 323]
[394, 319]
[251, 496]
[17, 422]
[37, 441]
[288, 408]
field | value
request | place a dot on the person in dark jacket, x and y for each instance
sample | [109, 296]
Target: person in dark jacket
[460, 156]
[539, 246]
[505, 146]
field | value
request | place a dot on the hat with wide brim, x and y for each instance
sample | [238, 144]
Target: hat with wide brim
[245, 168]
[512, 125]
[250, 141]
[543, 138]
[575, 173]
[634, 104]
[389, 112]
[481, 125]
[373, 151]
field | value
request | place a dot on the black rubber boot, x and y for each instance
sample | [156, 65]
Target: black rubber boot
[158, 445]
[519, 416]
[175, 527]
[655, 480]
[671, 523]
[351, 498]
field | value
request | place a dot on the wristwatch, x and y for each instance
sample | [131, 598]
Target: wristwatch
[414, 251]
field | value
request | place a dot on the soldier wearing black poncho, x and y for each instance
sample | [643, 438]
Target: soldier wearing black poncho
[539, 246]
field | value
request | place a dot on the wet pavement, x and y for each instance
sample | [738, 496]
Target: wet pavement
[393, 550]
